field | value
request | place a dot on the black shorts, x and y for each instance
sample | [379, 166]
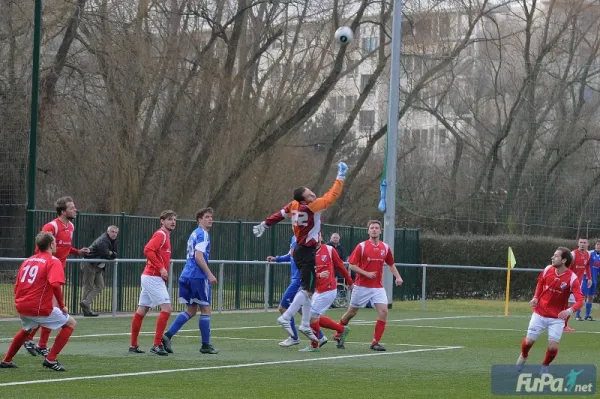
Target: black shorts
[306, 263]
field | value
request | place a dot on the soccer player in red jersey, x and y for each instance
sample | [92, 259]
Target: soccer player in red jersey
[305, 212]
[579, 266]
[550, 306]
[328, 261]
[367, 262]
[154, 288]
[39, 283]
[62, 229]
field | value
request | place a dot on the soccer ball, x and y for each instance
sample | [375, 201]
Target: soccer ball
[344, 35]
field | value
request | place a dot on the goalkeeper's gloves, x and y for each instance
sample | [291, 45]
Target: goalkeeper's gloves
[259, 229]
[342, 169]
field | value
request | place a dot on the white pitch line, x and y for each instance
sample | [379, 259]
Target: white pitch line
[230, 366]
[279, 339]
[480, 328]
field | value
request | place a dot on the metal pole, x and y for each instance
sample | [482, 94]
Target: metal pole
[171, 281]
[267, 270]
[423, 287]
[389, 219]
[35, 90]
[221, 274]
[115, 285]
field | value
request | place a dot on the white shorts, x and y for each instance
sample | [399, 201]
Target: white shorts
[361, 296]
[54, 321]
[538, 324]
[321, 301]
[154, 292]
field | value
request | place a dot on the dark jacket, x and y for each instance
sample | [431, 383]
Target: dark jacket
[339, 250]
[103, 248]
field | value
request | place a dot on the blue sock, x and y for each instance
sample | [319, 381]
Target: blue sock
[320, 334]
[179, 321]
[204, 326]
[293, 325]
[588, 309]
[578, 313]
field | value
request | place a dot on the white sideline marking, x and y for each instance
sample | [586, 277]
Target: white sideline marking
[482, 328]
[357, 322]
[230, 366]
[279, 340]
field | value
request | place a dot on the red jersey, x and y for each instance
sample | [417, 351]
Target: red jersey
[327, 259]
[371, 258]
[306, 218]
[553, 291]
[33, 289]
[580, 264]
[64, 239]
[158, 252]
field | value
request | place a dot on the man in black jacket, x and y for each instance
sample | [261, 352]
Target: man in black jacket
[105, 247]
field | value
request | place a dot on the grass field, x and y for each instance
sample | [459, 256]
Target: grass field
[444, 352]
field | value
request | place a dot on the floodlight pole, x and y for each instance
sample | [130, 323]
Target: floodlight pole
[389, 219]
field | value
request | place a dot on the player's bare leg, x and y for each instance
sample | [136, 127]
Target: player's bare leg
[59, 343]
[179, 321]
[567, 328]
[526, 345]
[136, 325]
[161, 325]
[382, 314]
[204, 326]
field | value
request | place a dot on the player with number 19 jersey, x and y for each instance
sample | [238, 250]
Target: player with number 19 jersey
[34, 289]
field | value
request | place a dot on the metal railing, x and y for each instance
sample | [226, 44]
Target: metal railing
[265, 282]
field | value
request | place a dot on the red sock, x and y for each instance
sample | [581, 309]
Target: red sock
[379, 329]
[161, 325]
[316, 329]
[550, 355]
[15, 345]
[59, 343]
[136, 326]
[525, 348]
[326, 322]
[44, 336]
[32, 333]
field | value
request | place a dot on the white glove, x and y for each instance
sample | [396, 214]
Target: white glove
[259, 229]
[342, 169]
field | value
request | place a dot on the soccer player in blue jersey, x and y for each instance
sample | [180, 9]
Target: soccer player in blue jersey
[195, 284]
[590, 292]
[290, 293]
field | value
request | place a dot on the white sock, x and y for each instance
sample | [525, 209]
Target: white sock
[306, 311]
[295, 306]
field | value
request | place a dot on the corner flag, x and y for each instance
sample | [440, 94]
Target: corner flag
[511, 263]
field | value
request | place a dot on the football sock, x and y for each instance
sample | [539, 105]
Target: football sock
[204, 326]
[317, 330]
[59, 343]
[326, 322]
[32, 333]
[379, 329]
[16, 344]
[179, 321]
[293, 326]
[161, 324]
[525, 348]
[550, 355]
[136, 326]
[295, 305]
[44, 336]
[578, 313]
[306, 311]
[588, 309]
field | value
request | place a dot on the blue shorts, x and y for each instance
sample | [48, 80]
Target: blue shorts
[289, 294]
[194, 291]
[589, 291]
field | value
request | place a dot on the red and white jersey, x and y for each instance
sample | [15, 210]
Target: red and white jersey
[63, 233]
[306, 218]
[158, 252]
[370, 258]
[581, 263]
[327, 259]
[33, 288]
[553, 291]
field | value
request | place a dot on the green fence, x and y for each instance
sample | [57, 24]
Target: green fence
[243, 283]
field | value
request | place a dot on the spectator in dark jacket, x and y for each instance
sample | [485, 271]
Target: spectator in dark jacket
[105, 247]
